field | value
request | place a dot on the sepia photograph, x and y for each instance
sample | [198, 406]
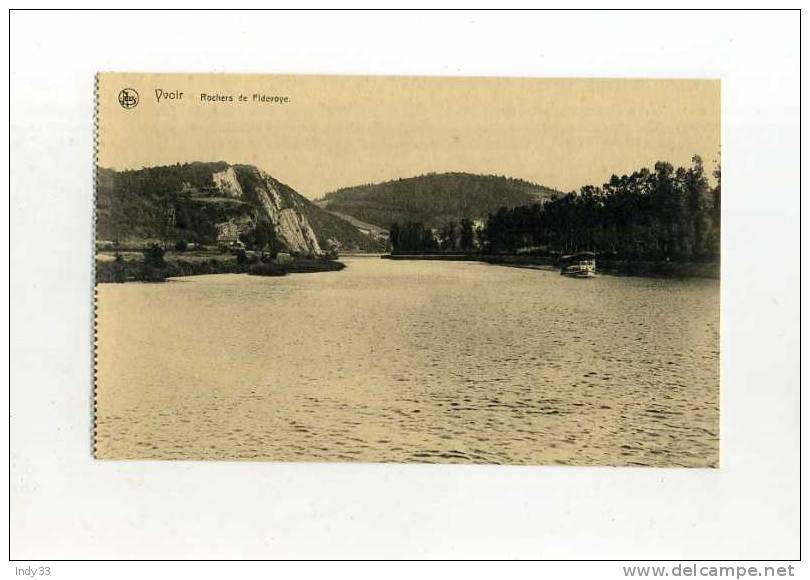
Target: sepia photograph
[458, 287]
[407, 269]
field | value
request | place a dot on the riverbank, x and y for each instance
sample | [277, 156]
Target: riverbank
[131, 267]
[643, 268]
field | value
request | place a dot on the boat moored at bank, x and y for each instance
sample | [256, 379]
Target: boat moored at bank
[579, 265]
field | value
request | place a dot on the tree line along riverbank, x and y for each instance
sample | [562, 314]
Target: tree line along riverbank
[645, 268]
[664, 221]
[154, 264]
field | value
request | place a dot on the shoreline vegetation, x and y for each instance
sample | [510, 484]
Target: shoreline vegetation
[155, 264]
[660, 222]
[642, 268]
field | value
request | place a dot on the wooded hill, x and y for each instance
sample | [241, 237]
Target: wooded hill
[434, 199]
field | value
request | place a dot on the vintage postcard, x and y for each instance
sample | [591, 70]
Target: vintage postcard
[408, 269]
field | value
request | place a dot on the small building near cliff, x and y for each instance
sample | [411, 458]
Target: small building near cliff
[227, 234]
[283, 258]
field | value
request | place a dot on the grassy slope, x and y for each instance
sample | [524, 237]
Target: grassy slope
[359, 223]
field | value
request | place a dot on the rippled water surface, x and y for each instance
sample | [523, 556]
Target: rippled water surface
[411, 361]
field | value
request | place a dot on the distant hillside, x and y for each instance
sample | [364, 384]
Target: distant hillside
[197, 202]
[434, 198]
[359, 224]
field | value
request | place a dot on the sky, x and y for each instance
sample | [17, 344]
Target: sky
[327, 132]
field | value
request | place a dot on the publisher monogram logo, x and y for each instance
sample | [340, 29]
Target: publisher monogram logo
[128, 98]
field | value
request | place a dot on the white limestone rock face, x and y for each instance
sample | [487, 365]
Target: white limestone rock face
[296, 232]
[291, 225]
[227, 182]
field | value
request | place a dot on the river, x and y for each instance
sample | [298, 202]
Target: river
[411, 361]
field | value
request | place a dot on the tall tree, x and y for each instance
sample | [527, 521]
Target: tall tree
[466, 235]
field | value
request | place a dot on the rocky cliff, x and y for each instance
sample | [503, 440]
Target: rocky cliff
[215, 203]
[281, 208]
